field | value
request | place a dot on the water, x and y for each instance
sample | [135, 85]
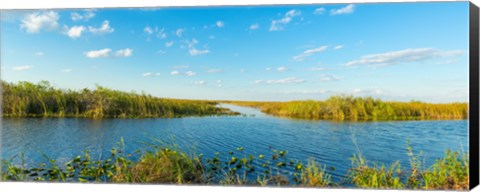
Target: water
[330, 143]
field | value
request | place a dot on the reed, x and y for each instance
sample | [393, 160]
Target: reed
[447, 173]
[360, 108]
[25, 99]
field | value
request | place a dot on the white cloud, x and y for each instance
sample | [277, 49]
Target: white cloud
[150, 8]
[338, 47]
[149, 74]
[75, 31]
[282, 69]
[220, 24]
[280, 24]
[368, 91]
[98, 53]
[214, 70]
[268, 68]
[319, 11]
[218, 81]
[199, 82]
[169, 44]
[35, 22]
[180, 66]
[190, 73]
[219, 85]
[194, 51]
[321, 91]
[309, 52]
[161, 34]
[403, 56]
[319, 69]
[148, 30]
[326, 78]
[76, 16]
[66, 70]
[124, 52]
[179, 32]
[447, 62]
[85, 17]
[344, 10]
[105, 28]
[258, 81]
[174, 73]
[287, 80]
[254, 26]
[39, 53]
[22, 68]
[316, 50]
[242, 70]
[211, 37]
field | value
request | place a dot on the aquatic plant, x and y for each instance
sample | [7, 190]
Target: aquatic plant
[171, 165]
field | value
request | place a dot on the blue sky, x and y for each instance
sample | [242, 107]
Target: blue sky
[393, 51]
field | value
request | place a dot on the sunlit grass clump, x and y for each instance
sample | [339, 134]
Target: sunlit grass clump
[360, 108]
[449, 172]
[375, 176]
[164, 166]
[25, 99]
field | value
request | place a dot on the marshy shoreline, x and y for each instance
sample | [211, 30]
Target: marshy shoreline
[26, 99]
[170, 165]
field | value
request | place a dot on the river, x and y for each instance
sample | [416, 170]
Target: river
[328, 142]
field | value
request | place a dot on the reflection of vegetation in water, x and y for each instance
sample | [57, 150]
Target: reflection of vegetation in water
[358, 108]
[42, 100]
[170, 165]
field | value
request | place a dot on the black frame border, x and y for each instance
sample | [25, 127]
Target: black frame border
[474, 96]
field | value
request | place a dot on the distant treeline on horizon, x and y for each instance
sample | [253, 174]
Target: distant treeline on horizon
[26, 99]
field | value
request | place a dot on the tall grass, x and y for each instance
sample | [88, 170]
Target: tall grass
[375, 176]
[449, 172]
[25, 99]
[360, 108]
[165, 166]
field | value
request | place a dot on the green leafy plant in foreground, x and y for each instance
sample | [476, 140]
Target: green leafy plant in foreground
[449, 172]
[170, 165]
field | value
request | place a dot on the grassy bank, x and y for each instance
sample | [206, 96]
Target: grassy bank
[25, 99]
[360, 108]
[168, 165]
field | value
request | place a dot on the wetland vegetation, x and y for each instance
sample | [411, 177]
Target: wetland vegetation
[25, 99]
[169, 165]
[360, 108]
[172, 165]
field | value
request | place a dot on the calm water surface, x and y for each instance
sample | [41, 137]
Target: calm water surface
[330, 143]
